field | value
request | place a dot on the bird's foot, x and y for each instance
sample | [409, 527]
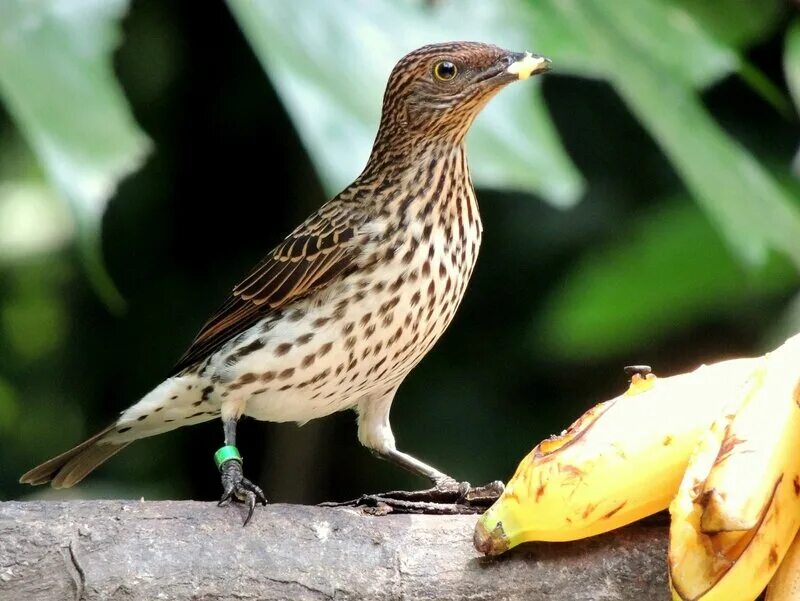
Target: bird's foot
[235, 487]
[447, 497]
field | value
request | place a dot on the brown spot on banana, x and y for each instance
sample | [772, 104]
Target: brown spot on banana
[611, 513]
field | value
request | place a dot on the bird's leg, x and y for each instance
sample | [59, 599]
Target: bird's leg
[441, 481]
[234, 484]
[375, 433]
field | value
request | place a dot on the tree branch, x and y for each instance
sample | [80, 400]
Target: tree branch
[115, 550]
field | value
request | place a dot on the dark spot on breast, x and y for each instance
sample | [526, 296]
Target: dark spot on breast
[348, 328]
[389, 305]
[248, 378]
[426, 269]
[395, 286]
[321, 321]
[167, 421]
[365, 318]
[197, 403]
[426, 231]
[321, 375]
[268, 376]
[325, 349]
[193, 415]
[207, 392]
[379, 286]
[254, 346]
[350, 342]
[359, 296]
[415, 298]
[123, 430]
[304, 339]
[286, 373]
[285, 387]
[388, 319]
[395, 337]
[141, 418]
[431, 289]
[260, 391]
[282, 349]
[309, 359]
[173, 397]
[341, 309]
[296, 315]
[369, 331]
[157, 409]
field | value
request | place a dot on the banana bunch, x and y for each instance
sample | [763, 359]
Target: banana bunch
[719, 446]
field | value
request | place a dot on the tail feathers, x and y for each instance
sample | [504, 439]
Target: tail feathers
[71, 467]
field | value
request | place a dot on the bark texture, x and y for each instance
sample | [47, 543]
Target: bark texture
[131, 551]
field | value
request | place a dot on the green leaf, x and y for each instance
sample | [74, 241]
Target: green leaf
[791, 61]
[576, 34]
[57, 81]
[329, 61]
[735, 22]
[671, 270]
[791, 68]
[654, 54]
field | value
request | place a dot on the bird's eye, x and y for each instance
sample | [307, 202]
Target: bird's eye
[444, 71]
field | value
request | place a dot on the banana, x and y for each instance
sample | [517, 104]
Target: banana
[738, 507]
[785, 584]
[621, 461]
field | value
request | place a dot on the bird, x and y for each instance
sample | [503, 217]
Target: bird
[338, 314]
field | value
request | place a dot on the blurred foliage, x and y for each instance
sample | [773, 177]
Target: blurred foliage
[57, 81]
[661, 116]
[670, 257]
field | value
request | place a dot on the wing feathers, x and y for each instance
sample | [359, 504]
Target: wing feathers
[309, 259]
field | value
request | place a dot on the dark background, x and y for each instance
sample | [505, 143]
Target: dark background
[229, 177]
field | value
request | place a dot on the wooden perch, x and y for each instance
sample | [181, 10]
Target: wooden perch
[115, 550]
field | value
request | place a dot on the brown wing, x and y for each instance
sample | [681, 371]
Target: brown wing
[309, 259]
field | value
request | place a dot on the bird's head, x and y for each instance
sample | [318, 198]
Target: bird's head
[437, 90]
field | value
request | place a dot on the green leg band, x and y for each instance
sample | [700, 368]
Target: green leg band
[226, 453]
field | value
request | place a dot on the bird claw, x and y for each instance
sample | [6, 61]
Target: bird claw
[235, 487]
[447, 497]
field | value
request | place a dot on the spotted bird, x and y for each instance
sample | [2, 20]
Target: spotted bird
[343, 309]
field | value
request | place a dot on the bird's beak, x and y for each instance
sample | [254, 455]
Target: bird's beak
[528, 64]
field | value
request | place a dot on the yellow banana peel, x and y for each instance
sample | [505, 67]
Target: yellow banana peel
[622, 460]
[785, 584]
[738, 507]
